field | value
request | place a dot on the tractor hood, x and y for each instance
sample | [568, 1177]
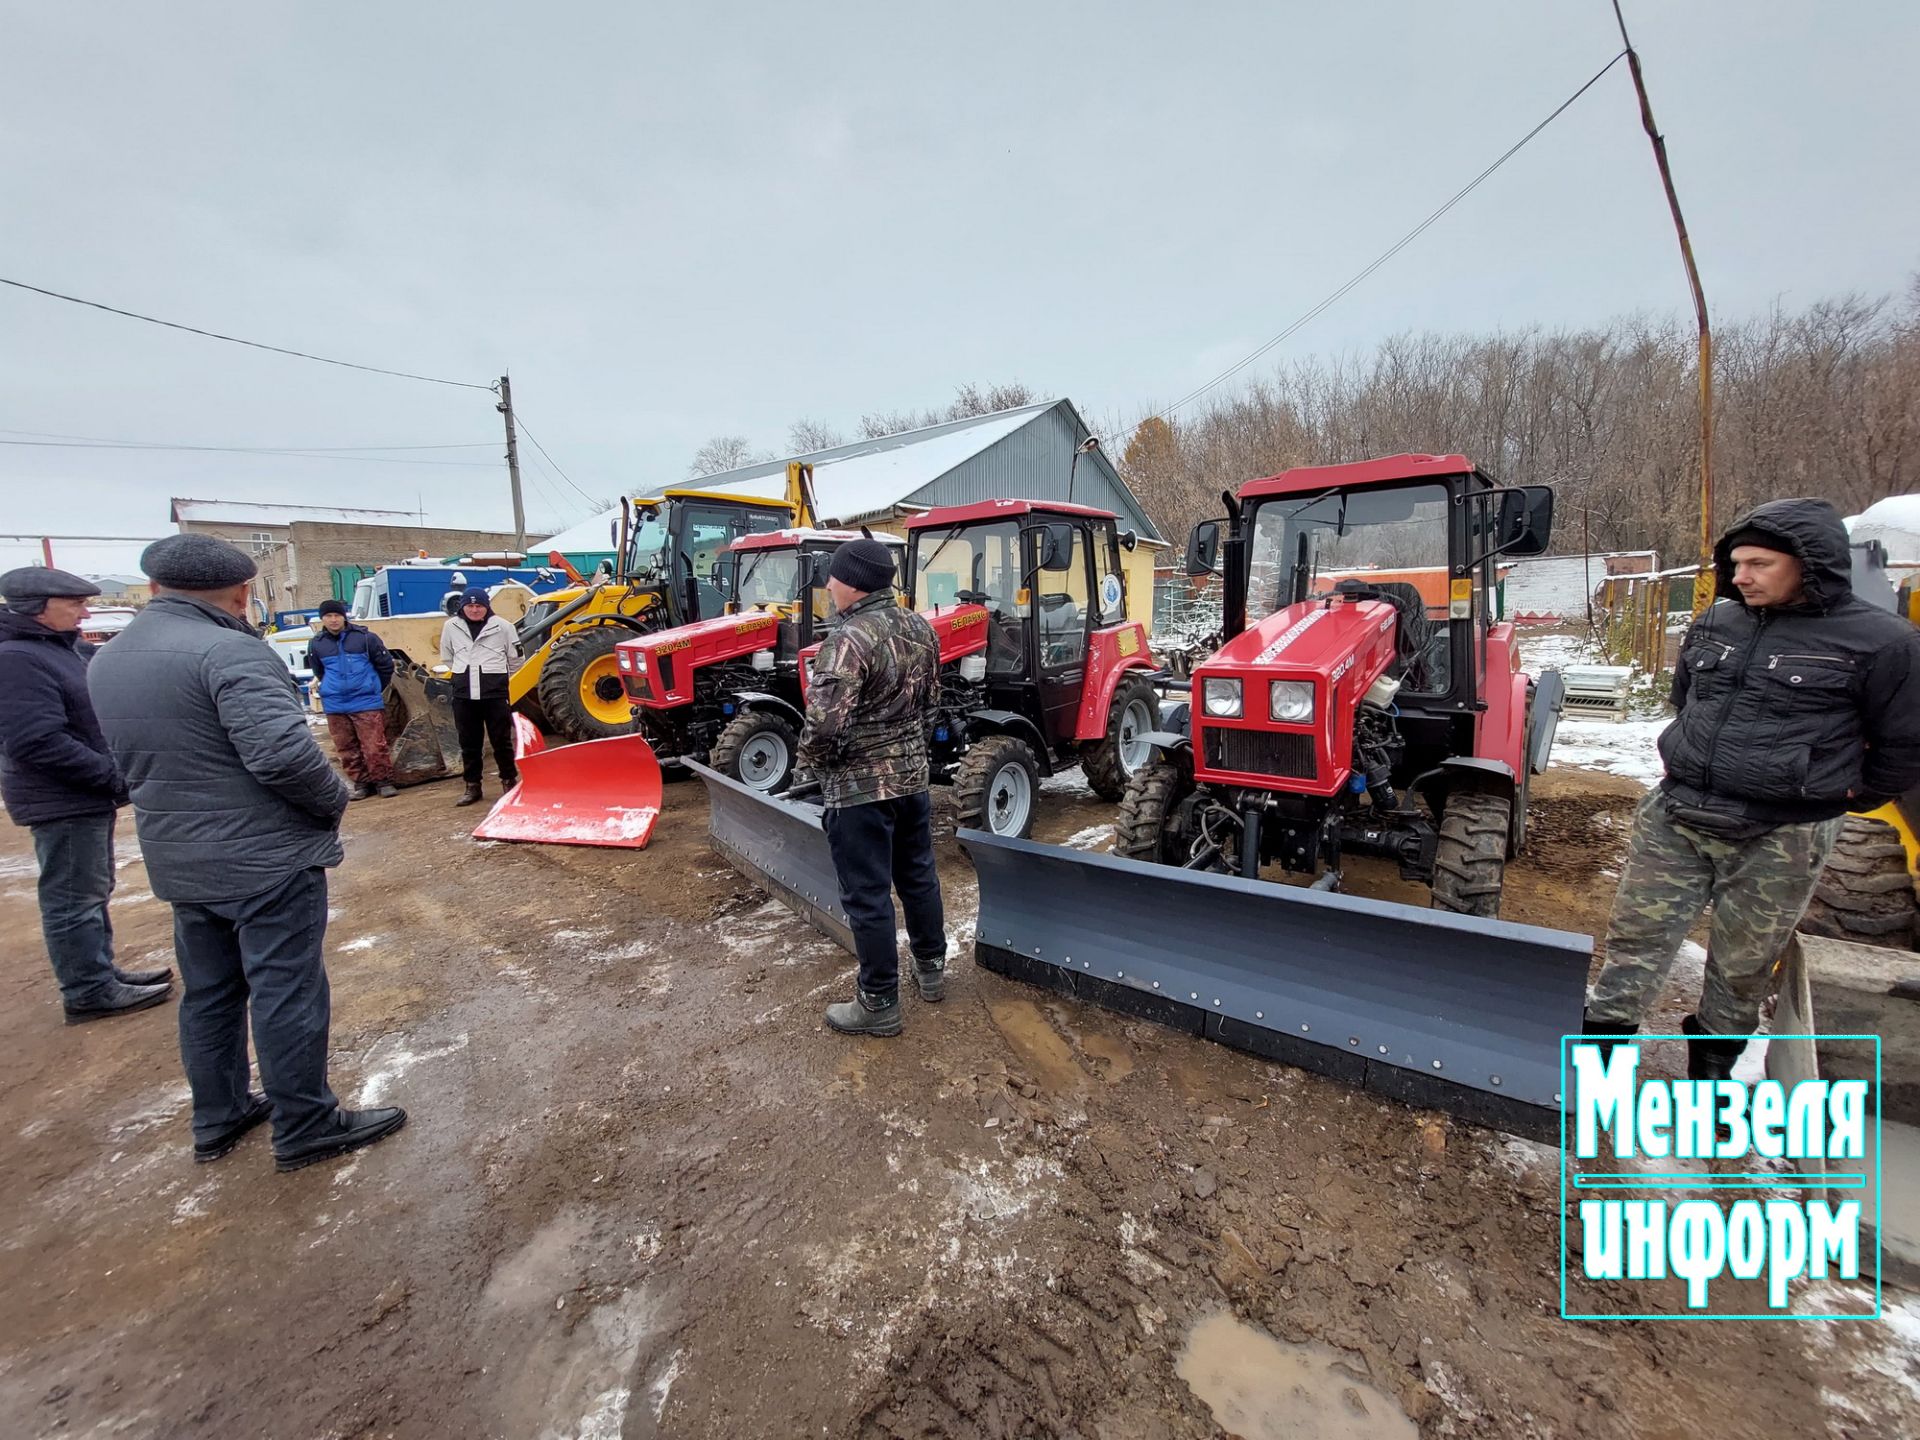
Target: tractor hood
[1313, 638]
[961, 630]
[658, 669]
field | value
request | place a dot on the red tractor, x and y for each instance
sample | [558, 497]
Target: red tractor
[727, 690]
[1040, 668]
[1374, 705]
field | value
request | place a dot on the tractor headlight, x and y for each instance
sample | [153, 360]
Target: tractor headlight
[1291, 701]
[1221, 699]
[625, 659]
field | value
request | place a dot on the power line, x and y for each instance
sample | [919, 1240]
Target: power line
[1397, 246]
[247, 449]
[521, 420]
[236, 340]
[240, 450]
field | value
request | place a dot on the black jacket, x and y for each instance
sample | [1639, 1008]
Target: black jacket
[54, 762]
[1794, 713]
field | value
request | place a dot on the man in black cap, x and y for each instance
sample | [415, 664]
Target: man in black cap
[59, 780]
[239, 816]
[1798, 702]
[868, 701]
[352, 668]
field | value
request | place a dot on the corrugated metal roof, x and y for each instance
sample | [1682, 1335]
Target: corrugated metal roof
[250, 512]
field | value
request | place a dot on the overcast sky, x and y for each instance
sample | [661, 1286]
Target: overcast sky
[674, 222]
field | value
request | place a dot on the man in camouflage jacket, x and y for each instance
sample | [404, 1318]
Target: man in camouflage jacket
[1798, 702]
[868, 703]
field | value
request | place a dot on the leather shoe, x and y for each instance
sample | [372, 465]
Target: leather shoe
[162, 976]
[207, 1151]
[119, 1000]
[469, 796]
[357, 1128]
[866, 1014]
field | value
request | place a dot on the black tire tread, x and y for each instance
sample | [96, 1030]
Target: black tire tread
[1469, 866]
[1100, 761]
[1865, 893]
[559, 688]
[976, 770]
[725, 755]
[1140, 829]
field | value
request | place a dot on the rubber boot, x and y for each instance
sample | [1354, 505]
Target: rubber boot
[1611, 1028]
[470, 796]
[866, 1014]
[1710, 1057]
[931, 977]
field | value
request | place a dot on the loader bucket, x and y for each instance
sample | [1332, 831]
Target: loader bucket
[598, 792]
[1430, 1008]
[421, 738]
[779, 845]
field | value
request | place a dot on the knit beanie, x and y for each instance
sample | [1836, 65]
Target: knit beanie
[864, 564]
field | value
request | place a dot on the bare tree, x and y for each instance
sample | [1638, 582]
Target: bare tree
[807, 436]
[724, 452]
[968, 401]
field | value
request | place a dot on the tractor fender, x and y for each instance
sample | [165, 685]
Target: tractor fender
[1168, 740]
[760, 700]
[1011, 722]
[1493, 776]
[1113, 656]
[1547, 703]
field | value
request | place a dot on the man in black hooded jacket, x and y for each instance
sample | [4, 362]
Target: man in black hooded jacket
[1798, 702]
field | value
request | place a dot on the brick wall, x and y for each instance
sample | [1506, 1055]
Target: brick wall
[296, 561]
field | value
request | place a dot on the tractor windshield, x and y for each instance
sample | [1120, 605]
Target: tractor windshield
[1303, 546]
[768, 577]
[980, 565]
[646, 548]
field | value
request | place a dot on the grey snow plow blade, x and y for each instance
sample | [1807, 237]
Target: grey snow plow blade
[780, 846]
[1430, 1008]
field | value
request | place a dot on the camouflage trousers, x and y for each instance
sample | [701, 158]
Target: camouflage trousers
[1758, 888]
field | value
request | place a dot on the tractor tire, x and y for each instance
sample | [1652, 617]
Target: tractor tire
[757, 748]
[1470, 864]
[580, 688]
[1146, 828]
[996, 786]
[1866, 893]
[1114, 759]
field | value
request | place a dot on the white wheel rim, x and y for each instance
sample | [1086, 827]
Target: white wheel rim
[1009, 799]
[1135, 752]
[763, 760]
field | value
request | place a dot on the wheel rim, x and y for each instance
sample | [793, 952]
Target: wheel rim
[763, 760]
[1009, 799]
[1134, 749]
[601, 694]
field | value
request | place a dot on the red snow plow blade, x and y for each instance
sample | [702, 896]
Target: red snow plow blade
[598, 792]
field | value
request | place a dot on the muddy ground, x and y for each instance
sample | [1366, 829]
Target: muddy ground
[644, 1192]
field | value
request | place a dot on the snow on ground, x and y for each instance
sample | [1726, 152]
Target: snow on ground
[1625, 747]
[1556, 652]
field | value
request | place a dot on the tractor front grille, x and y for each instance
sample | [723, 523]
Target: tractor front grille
[1260, 752]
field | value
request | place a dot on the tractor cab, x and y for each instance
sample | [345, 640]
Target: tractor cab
[784, 572]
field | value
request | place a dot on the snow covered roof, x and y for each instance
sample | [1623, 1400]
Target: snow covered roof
[252, 512]
[1895, 523]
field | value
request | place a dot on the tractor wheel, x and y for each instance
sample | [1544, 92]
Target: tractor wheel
[1471, 861]
[580, 685]
[1113, 761]
[1148, 824]
[995, 786]
[757, 749]
[1866, 893]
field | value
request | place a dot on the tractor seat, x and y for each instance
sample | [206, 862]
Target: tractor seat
[1058, 613]
[1412, 635]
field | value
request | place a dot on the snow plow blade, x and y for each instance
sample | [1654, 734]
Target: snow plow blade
[1430, 1008]
[421, 737]
[598, 792]
[779, 845]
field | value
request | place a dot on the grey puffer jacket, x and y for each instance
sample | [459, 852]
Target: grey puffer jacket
[230, 793]
[1794, 713]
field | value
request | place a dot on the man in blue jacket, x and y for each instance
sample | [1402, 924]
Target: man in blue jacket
[352, 668]
[239, 817]
[59, 781]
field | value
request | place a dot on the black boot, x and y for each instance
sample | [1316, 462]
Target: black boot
[362, 790]
[866, 1014]
[507, 782]
[356, 1128]
[119, 1000]
[386, 790]
[1611, 1028]
[931, 977]
[207, 1151]
[1710, 1057]
[471, 796]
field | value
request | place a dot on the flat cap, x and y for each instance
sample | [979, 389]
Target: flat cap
[196, 562]
[37, 582]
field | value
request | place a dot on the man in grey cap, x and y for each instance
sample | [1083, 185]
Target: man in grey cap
[58, 779]
[239, 816]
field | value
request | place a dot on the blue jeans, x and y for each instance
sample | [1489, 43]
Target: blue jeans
[260, 954]
[878, 847]
[76, 877]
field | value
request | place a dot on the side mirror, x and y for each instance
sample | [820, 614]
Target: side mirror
[1129, 541]
[1203, 548]
[1056, 546]
[818, 567]
[1526, 520]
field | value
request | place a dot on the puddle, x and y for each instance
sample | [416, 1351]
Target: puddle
[1040, 1047]
[1112, 1053]
[1260, 1389]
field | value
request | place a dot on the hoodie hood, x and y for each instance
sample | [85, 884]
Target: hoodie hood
[1809, 530]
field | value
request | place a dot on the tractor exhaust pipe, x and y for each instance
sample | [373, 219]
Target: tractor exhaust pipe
[1233, 571]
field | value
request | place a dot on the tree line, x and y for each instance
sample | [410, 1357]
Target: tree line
[1823, 400]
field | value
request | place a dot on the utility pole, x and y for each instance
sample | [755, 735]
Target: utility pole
[505, 407]
[1703, 581]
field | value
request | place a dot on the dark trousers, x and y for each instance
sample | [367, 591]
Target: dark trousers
[76, 877]
[877, 848]
[478, 721]
[261, 954]
[360, 740]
